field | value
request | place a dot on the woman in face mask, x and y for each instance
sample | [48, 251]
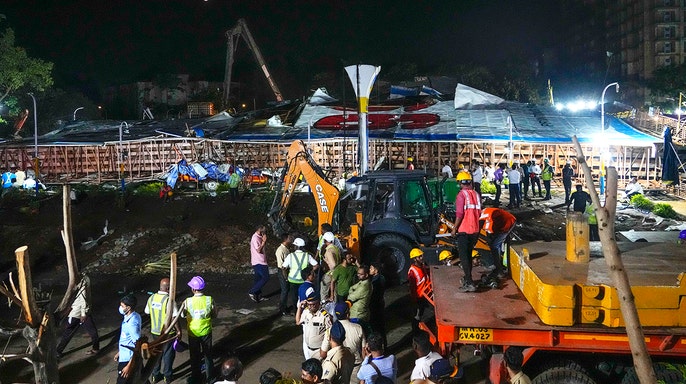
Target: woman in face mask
[130, 333]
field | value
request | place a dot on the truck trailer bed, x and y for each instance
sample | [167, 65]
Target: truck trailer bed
[506, 317]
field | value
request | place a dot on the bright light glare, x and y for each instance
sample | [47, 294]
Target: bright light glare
[679, 111]
[577, 105]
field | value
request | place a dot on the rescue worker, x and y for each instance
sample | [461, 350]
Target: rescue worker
[156, 307]
[410, 164]
[593, 234]
[547, 176]
[281, 253]
[331, 257]
[234, 182]
[497, 223]
[417, 277]
[199, 312]
[79, 316]
[567, 176]
[466, 227]
[446, 257]
[294, 264]
[129, 335]
[315, 321]
[535, 176]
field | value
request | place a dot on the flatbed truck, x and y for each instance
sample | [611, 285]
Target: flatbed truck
[523, 311]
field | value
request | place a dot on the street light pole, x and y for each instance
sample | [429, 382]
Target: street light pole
[602, 130]
[76, 110]
[35, 141]
[678, 113]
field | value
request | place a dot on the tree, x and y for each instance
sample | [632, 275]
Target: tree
[18, 70]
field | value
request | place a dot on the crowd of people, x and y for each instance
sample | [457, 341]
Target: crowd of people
[336, 299]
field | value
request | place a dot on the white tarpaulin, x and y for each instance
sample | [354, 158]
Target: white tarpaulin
[466, 96]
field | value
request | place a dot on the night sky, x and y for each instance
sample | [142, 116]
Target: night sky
[99, 43]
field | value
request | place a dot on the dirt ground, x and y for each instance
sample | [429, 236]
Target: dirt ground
[210, 235]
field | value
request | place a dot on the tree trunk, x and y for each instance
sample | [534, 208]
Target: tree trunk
[39, 331]
[613, 258]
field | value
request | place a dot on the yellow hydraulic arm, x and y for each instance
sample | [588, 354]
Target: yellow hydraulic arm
[241, 29]
[300, 163]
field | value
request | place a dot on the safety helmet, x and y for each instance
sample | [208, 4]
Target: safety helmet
[328, 236]
[410, 158]
[682, 234]
[464, 177]
[197, 283]
[299, 242]
[444, 255]
[416, 252]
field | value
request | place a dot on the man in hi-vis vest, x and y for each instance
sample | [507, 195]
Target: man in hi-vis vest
[199, 312]
[157, 306]
[294, 263]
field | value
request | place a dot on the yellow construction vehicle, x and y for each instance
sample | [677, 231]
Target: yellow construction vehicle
[384, 216]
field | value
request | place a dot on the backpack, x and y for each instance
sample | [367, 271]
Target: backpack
[380, 379]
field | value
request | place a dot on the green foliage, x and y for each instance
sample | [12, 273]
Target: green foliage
[487, 187]
[641, 202]
[148, 189]
[664, 210]
[668, 81]
[18, 70]
[262, 202]
[222, 187]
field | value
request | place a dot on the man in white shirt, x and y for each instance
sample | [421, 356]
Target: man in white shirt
[447, 171]
[422, 347]
[80, 316]
[232, 370]
[477, 176]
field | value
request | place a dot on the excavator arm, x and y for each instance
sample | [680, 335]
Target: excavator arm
[241, 29]
[300, 163]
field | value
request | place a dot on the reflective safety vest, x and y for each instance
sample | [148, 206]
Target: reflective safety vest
[234, 180]
[417, 276]
[199, 315]
[547, 173]
[592, 218]
[472, 212]
[298, 262]
[157, 306]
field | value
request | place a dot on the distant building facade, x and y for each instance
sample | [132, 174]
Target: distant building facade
[625, 40]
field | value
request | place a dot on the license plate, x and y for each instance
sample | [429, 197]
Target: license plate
[476, 334]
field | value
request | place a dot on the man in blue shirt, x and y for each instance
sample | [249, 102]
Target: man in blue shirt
[130, 333]
[377, 364]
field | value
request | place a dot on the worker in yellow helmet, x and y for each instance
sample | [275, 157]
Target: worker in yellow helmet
[410, 163]
[417, 278]
[445, 257]
[466, 227]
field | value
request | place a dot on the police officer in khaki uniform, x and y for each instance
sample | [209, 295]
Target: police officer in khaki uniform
[315, 322]
[199, 312]
[157, 307]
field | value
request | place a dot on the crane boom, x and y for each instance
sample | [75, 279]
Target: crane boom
[241, 29]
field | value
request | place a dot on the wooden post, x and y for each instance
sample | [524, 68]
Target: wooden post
[613, 259]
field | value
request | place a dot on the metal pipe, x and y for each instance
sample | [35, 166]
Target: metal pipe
[602, 130]
[35, 141]
[76, 110]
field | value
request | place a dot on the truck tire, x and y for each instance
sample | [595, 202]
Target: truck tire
[562, 375]
[393, 252]
[665, 373]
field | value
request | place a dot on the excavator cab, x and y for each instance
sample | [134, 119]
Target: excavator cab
[398, 214]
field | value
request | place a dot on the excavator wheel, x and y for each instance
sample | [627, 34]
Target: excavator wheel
[392, 251]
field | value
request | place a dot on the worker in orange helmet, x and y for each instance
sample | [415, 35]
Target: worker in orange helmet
[497, 223]
[417, 277]
[466, 226]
